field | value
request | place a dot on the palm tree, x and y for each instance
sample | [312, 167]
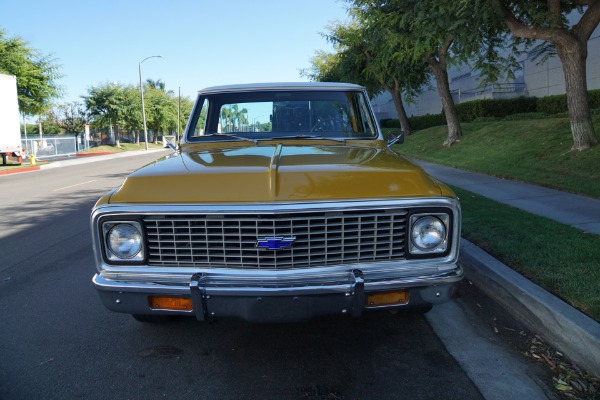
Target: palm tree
[158, 85]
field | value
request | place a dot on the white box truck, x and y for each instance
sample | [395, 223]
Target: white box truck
[10, 134]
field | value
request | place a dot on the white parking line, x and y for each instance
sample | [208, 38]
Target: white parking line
[68, 187]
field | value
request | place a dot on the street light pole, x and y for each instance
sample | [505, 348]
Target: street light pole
[142, 96]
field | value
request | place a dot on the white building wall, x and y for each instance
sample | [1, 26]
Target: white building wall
[546, 79]
[541, 80]
[593, 61]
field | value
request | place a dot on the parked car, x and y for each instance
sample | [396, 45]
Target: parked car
[313, 215]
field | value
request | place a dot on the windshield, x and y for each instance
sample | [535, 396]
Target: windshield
[281, 114]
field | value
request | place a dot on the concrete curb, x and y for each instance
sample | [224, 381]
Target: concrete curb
[567, 329]
[76, 160]
[98, 153]
[19, 171]
[96, 158]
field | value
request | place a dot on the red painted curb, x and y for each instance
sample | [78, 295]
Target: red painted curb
[18, 170]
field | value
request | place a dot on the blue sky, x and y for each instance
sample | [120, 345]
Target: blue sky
[203, 43]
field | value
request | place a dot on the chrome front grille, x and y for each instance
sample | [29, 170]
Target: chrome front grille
[321, 239]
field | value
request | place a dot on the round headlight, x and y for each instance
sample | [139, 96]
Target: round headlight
[428, 233]
[124, 241]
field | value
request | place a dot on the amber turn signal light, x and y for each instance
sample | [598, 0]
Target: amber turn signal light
[170, 303]
[387, 298]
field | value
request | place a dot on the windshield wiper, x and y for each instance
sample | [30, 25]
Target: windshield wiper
[316, 137]
[229, 135]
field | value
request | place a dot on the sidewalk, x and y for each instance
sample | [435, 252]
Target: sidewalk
[569, 209]
[564, 327]
[69, 161]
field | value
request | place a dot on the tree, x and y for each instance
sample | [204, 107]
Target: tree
[437, 33]
[367, 57]
[36, 73]
[70, 117]
[548, 20]
[186, 105]
[232, 118]
[114, 104]
[132, 111]
[162, 108]
[47, 125]
[158, 85]
[417, 39]
[107, 105]
[161, 111]
[327, 67]
[238, 117]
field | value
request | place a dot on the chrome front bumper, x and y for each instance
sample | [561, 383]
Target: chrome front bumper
[279, 299]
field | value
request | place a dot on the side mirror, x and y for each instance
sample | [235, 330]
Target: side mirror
[395, 137]
[170, 141]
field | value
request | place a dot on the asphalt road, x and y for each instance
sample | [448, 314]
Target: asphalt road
[58, 342]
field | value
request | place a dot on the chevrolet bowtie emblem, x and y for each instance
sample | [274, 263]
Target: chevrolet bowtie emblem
[275, 242]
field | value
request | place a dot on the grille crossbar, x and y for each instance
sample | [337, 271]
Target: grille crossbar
[321, 239]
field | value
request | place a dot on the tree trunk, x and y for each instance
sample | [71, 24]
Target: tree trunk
[441, 77]
[137, 137]
[404, 124]
[573, 58]
[40, 130]
[118, 137]
[571, 46]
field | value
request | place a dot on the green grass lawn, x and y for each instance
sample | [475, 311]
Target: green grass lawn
[535, 151]
[124, 147]
[562, 259]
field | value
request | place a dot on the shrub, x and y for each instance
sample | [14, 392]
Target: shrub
[485, 110]
[427, 121]
[558, 104]
[390, 123]
[553, 104]
[497, 108]
[594, 98]
[416, 123]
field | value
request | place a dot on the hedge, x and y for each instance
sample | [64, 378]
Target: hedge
[427, 121]
[416, 123]
[390, 123]
[481, 110]
[558, 104]
[497, 108]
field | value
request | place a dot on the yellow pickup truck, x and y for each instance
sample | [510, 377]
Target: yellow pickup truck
[282, 202]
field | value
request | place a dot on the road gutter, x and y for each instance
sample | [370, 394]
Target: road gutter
[497, 372]
[567, 329]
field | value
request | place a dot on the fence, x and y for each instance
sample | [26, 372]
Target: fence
[53, 146]
[497, 90]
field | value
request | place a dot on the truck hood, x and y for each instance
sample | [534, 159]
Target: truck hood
[276, 172]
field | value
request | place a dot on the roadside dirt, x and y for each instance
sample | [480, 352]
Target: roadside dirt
[567, 379]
